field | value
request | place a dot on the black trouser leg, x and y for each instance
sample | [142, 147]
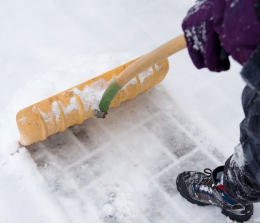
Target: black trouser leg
[241, 169]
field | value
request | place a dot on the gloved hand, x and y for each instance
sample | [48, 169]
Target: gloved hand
[202, 40]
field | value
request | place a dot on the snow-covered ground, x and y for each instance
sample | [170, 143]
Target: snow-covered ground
[122, 168]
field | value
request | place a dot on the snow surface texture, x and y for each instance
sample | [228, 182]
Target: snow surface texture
[122, 168]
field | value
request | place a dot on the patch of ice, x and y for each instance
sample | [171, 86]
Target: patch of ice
[73, 105]
[143, 75]
[238, 157]
[56, 110]
[193, 38]
[92, 94]
[131, 82]
[46, 116]
[23, 119]
[203, 31]
[158, 67]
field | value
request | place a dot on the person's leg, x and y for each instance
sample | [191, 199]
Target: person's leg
[239, 180]
[232, 187]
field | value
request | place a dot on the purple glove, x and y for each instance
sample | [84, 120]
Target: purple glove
[202, 40]
[211, 24]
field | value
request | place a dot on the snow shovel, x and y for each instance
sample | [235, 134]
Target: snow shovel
[74, 105]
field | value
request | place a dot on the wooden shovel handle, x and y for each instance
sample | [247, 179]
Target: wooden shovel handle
[148, 60]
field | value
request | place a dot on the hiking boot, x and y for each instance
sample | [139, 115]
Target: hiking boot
[207, 189]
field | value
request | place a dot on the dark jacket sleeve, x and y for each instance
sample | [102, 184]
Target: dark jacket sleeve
[251, 70]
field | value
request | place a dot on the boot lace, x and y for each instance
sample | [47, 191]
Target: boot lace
[207, 180]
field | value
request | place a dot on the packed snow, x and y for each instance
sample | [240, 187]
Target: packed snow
[122, 168]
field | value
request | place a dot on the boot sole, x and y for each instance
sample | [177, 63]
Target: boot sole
[185, 194]
[238, 218]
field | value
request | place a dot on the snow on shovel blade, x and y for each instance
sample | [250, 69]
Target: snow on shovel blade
[74, 105]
